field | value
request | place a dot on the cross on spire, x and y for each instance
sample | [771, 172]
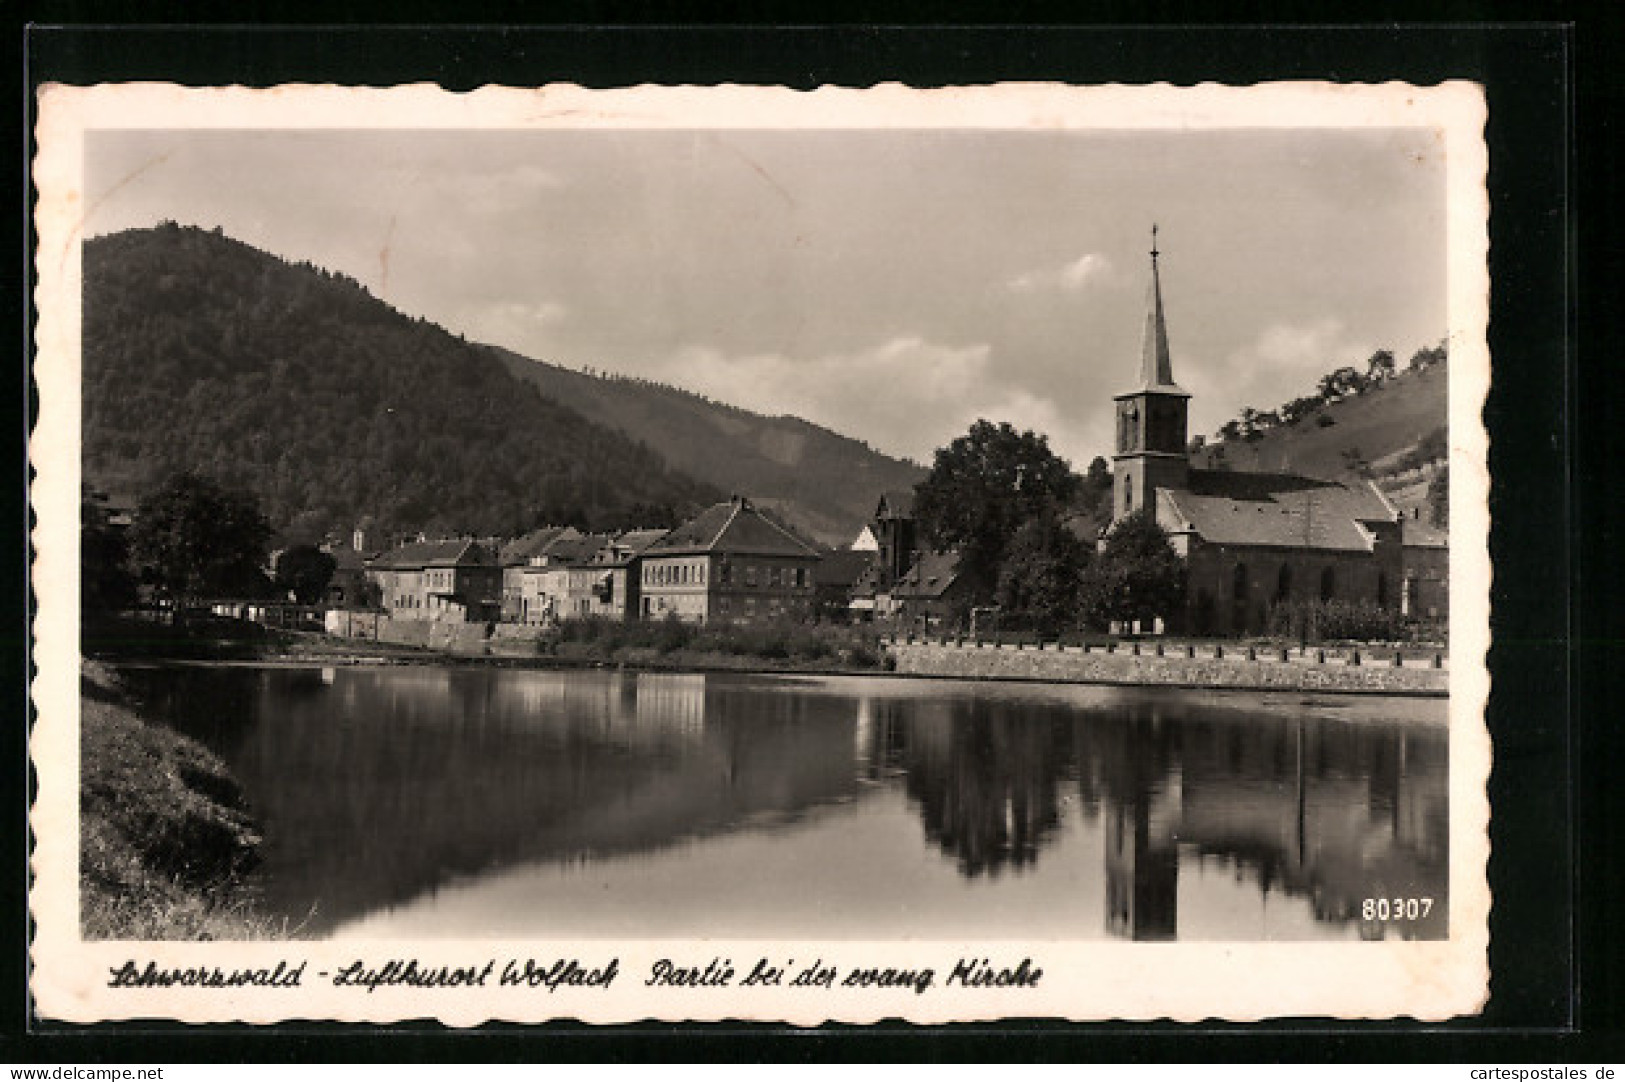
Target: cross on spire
[1154, 252]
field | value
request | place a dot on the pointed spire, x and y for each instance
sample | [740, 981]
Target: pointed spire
[1156, 369]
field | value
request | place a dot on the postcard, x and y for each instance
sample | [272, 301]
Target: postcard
[701, 553]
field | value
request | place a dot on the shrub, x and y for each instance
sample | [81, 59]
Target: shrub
[1325, 621]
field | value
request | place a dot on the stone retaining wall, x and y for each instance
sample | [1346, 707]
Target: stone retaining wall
[1095, 666]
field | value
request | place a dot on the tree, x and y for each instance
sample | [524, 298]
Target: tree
[1380, 367]
[105, 582]
[1438, 498]
[982, 488]
[305, 571]
[1041, 574]
[195, 538]
[1137, 576]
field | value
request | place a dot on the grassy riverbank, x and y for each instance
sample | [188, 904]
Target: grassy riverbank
[164, 834]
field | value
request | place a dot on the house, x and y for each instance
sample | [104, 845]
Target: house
[1249, 540]
[931, 592]
[517, 555]
[447, 581]
[552, 586]
[731, 563]
[614, 579]
[351, 586]
[895, 534]
[838, 575]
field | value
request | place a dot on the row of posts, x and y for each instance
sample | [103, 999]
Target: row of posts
[1188, 650]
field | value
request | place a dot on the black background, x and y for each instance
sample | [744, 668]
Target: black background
[1556, 988]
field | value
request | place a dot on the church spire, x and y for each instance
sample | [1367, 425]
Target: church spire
[1156, 369]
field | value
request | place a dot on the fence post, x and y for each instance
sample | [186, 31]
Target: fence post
[1252, 654]
[1354, 656]
[1218, 651]
[1320, 656]
[1190, 650]
[1285, 654]
[1438, 660]
[1399, 660]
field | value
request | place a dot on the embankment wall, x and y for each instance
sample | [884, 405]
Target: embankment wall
[1267, 672]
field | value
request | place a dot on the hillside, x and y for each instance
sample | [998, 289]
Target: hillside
[1394, 429]
[201, 352]
[826, 484]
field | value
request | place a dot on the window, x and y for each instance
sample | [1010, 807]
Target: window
[1283, 583]
[1128, 493]
[750, 574]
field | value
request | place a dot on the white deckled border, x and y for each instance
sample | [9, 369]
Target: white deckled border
[1083, 980]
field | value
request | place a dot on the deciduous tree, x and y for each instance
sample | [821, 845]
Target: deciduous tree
[1136, 576]
[983, 487]
[195, 538]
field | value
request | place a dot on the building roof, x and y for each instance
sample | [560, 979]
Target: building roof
[436, 554]
[1156, 365]
[844, 567]
[733, 527]
[898, 503]
[932, 575]
[1280, 510]
[1419, 533]
[521, 549]
[626, 547]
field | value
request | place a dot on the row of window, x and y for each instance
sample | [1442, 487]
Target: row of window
[694, 574]
[1241, 586]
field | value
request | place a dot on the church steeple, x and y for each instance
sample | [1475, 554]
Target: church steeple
[1151, 418]
[1156, 368]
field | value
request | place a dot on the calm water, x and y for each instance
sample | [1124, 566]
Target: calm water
[479, 802]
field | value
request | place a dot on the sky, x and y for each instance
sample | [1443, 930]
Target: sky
[894, 286]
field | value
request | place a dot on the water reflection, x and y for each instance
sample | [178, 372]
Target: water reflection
[458, 796]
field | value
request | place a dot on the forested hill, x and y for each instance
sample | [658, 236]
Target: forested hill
[824, 483]
[1394, 432]
[202, 352]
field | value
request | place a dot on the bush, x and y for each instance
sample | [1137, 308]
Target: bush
[1326, 621]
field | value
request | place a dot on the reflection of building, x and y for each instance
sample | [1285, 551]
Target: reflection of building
[1329, 812]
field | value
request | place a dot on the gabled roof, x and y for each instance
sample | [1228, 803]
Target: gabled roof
[1280, 510]
[436, 554]
[844, 567]
[521, 549]
[732, 527]
[932, 575]
[898, 503]
[627, 546]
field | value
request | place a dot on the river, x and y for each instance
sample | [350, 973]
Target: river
[478, 802]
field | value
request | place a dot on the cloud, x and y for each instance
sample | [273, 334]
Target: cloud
[1069, 278]
[1282, 362]
[517, 325]
[906, 395]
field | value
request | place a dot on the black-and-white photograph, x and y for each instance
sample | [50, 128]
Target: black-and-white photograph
[589, 533]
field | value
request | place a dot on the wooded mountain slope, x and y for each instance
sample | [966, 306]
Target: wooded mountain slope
[1393, 433]
[202, 352]
[824, 483]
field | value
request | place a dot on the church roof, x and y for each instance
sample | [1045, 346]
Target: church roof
[1280, 510]
[734, 526]
[1156, 365]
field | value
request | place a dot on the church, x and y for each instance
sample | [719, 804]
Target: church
[1249, 540]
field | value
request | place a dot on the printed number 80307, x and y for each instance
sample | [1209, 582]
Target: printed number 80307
[1395, 908]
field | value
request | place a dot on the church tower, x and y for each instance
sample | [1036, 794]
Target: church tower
[1151, 418]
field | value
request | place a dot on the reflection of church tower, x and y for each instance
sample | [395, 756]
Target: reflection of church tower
[1142, 873]
[1151, 418]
